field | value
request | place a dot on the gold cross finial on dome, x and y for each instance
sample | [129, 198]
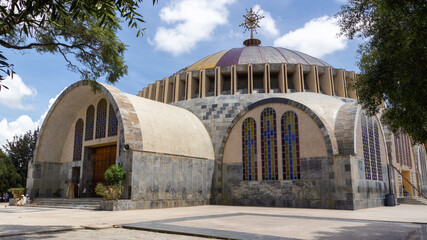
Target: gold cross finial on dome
[251, 21]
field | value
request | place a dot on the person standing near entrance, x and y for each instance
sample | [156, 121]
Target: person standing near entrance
[405, 193]
[70, 190]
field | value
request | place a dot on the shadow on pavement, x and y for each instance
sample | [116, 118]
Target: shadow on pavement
[381, 230]
[7, 231]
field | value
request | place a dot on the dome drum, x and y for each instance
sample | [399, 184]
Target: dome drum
[251, 79]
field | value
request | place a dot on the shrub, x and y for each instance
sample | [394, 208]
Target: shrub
[114, 175]
[17, 192]
[109, 192]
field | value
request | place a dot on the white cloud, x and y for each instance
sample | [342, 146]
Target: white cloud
[17, 127]
[193, 21]
[21, 125]
[17, 93]
[267, 24]
[318, 37]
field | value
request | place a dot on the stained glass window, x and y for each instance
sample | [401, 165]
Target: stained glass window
[78, 140]
[365, 147]
[423, 165]
[90, 119]
[101, 115]
[290, 146]
[403, 148]
[396, 147]
[112, 122]
[269, 145]
[408, 151]
[400, 148]
[372, 149]
[249, 150]
[378, 151]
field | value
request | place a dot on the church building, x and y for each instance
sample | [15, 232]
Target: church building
[248, 126]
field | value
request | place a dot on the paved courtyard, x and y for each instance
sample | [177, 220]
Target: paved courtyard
[400, 222]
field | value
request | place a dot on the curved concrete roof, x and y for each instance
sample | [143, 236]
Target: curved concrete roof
[171, 130]
[146, 125]
[254, 55]
[325, 107]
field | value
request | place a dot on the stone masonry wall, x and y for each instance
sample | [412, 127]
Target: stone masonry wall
[317, 188]
[160, 180]
[326, 182]
[366, 193]
[49, 179]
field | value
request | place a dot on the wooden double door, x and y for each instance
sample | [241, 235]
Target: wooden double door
[104, 158]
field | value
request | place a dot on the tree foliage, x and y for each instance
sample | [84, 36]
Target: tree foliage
[21, 151]
[9, 177]
[393, 60]
[114, 174]
[82, 31]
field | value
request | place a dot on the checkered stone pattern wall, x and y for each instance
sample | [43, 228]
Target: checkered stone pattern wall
[217, 114]
[326, 182]
[162, 180]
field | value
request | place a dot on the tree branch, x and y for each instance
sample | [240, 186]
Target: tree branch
[31, 45]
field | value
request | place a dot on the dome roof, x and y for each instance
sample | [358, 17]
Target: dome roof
[254, 55]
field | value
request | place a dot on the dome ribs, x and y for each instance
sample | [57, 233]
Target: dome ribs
[230, 58]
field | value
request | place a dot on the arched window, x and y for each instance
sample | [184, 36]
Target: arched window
[249, 150]
[396, 147]
[378, 152]
[408, 151]
[78, 140]
[269, 144]
[372, 148]
[290, 146]
[405, 149]
[112, 122]
[101, 117]
[365, 147]
[402, 147]
[90, 120]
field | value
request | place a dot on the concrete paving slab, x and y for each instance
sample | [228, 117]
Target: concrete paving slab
[105, 234]
[230, 222]
[267, 226]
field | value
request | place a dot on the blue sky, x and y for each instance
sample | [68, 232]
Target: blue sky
[178, 33]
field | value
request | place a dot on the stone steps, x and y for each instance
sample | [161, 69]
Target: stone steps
[414, 201]
[70, 203]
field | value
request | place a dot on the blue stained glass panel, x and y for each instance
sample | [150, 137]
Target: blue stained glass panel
[372, 148]
[112, 122]
[378, 152]
[365, 147]
[101, 119]
[90, 121]
[269, 145]
[290, 146]
[78, 140]
[249, 150]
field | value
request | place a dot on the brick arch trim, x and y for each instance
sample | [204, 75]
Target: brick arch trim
[124, 110]
[290, 102]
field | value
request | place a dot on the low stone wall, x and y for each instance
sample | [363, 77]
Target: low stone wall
[369, 193]
[125, 204]
[48, 179]
[13, 201]
[319, 186]
[162, 181]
